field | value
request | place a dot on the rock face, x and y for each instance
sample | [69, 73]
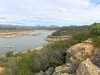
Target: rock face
[87, 68]
[79, 53]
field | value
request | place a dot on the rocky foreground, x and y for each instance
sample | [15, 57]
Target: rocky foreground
[81, 59]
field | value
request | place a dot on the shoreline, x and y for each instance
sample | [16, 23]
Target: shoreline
[36, 48]
[12, 34]
[56, 38]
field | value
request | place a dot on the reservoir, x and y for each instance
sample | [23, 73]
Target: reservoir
[23, 43]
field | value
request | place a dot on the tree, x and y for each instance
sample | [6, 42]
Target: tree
[94, 29]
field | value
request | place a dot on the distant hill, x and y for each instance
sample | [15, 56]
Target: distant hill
[6, 26]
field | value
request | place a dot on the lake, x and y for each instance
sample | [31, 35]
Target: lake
[23, 43]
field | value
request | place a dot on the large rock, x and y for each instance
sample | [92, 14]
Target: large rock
[1, 70]
[96, 59]
[60, 70]
[79, 53]
[65, 70]
[49, 71]
[87, 68]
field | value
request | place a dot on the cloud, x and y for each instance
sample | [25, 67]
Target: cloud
[66, 11]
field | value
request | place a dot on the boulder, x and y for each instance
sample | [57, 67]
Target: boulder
[60, 70]
[79, 53]
[49, 71]
[87, 68]
[66, 69]
[96, 58]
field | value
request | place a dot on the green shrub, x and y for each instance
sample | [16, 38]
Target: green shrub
[81, 36]
[9, 54]
[94, 29]
[46, 58]
[96, 41]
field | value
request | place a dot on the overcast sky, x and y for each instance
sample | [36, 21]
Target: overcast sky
[49, 12]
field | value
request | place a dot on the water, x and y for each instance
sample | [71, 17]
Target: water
[23, 43]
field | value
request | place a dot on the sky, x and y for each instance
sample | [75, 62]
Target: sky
[49, 12]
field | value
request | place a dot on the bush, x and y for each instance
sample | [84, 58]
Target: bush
[81, 36]
[9, 54]
[94, 30]
[96, 41]
[46, 58]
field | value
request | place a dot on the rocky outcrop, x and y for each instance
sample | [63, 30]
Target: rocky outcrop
[87, 68]
[96, 58]
[79, 56]
[65, 70]
[79, 52]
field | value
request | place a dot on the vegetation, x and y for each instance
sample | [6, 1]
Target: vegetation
[69, 30]
[32, 62]
[9, 54]
[96, 41]
[95, 29]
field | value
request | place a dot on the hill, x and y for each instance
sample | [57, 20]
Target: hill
[69, 30]
[65, 33]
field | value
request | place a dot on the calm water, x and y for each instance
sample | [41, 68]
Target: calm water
[23, 43]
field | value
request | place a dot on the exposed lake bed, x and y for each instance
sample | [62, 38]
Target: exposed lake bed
[23, 43]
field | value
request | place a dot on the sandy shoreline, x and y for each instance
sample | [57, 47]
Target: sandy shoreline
[37, 48]
[12, 34]
[56, 38]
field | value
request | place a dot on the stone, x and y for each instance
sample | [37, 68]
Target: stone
[49, 71]
[96, 58]
[65, 69]
[87, 68]
[60, 70]
[79, 53]
[1, 70]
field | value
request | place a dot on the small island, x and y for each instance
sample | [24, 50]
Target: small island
[9, 32]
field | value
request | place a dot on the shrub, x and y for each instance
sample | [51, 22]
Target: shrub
[9, 54]
[94, 29]
[46, 58]
[96, 41]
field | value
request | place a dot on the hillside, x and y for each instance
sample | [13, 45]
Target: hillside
[68, 57]
[66, 32]
[69, 30]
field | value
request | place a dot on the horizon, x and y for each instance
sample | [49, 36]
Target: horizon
[49, 12]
